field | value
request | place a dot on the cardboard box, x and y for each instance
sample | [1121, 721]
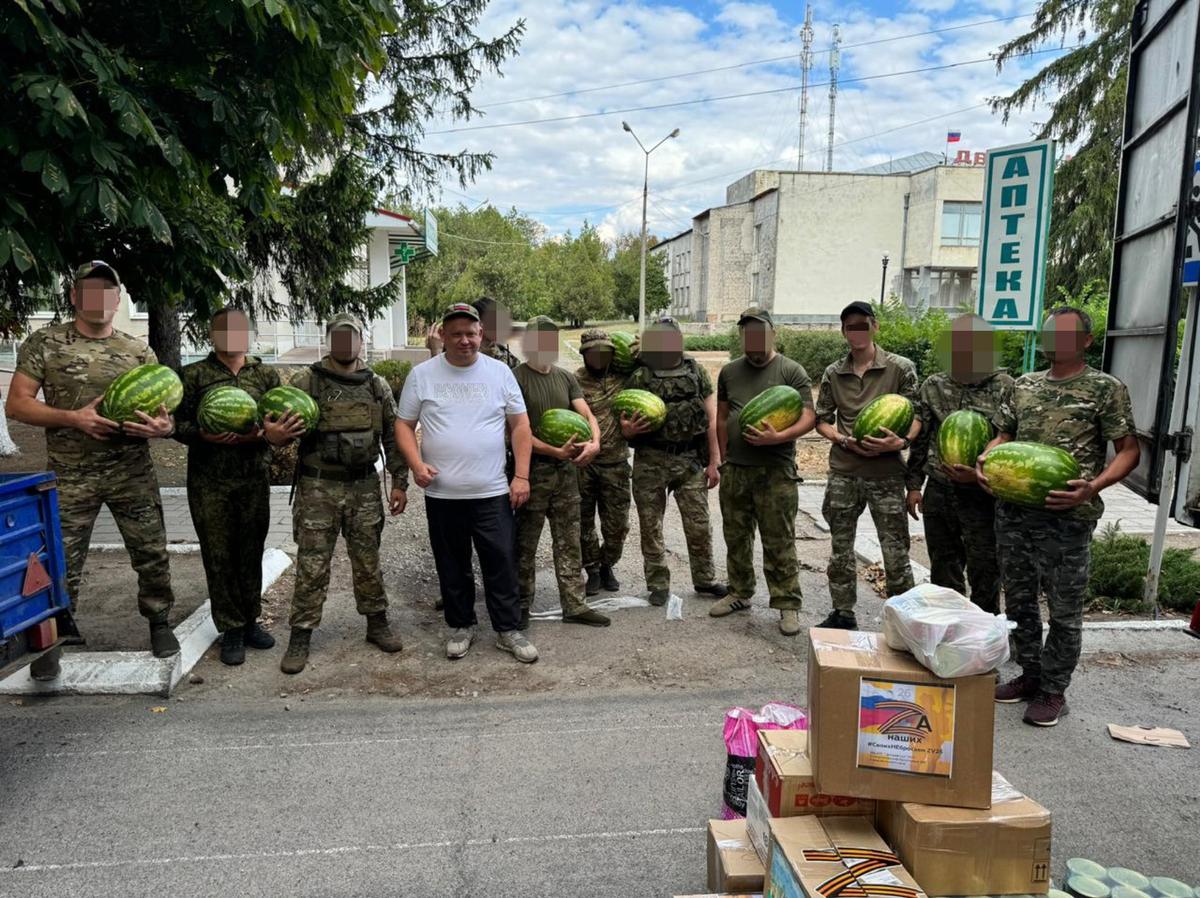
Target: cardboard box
[733, 864]
[758, 821]
[957, 851]
[833, 856]
[784, 775]
[882, 726]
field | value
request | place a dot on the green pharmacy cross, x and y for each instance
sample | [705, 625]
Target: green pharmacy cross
[405, 253]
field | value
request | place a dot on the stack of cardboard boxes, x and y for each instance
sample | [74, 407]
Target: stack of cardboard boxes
[890, 794]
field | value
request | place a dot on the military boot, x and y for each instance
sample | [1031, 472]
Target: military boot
[592, 587]
[163, 643]
[608, 579]
[233, 646]
[297, 651]
[380, 633]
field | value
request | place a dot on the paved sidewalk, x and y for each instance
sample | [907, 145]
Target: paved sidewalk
[179, 521]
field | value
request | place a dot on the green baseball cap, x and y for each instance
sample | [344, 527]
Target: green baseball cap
[541, 323]
[97, 268]
[754, 313]
[344, 319]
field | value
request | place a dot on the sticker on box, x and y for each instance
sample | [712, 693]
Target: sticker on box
[906, 727]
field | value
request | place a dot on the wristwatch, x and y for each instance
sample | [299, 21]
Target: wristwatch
[844, 442]
[907, 444]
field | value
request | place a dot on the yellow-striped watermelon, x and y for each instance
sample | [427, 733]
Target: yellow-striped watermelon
[141, 389]
[890, 410]
[278, 401]
[640, 402]
[962, 437]
[1025, 473]
[227, 409]
[780, 406]
[558, 425]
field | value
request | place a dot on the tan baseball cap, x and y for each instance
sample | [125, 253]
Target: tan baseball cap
[344, 319]
[97, 268]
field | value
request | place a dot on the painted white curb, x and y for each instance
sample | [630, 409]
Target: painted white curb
[138, 673]
[172, 548]
[867, 548]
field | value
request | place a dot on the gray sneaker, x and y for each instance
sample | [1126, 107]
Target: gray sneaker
[459, 642]
[515, 643]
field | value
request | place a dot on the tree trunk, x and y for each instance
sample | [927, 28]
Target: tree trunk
[8, 448]
[164, 334]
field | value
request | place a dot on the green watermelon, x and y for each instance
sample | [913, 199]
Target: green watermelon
[560, 424]
[891, 410]
[623, 360]
[962, 437]
[1025, 473]
[780, 406]
[227, 409]
[643, 402]
[277, 401]
[143, 389]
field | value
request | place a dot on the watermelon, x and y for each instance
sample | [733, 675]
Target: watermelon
[1025, 473]
[634, 402]
[962, 437]
[560, 424]
[779, 406]
[624, 360]
[143, 389]
[227, 409]
[890, 410]
[278, 401]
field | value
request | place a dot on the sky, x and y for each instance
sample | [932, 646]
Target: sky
[588, 169]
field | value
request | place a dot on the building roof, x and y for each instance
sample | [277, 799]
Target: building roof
[905, 164]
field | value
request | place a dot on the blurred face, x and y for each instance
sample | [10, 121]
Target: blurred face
[95, 300]
[231, 333]
[344, 344]
[497, 324]
[598, 359]
[1064, 339]
[540, 347]
[859, 330]
[461, 338]
[662, 347]
[758, 342]
[968, 350]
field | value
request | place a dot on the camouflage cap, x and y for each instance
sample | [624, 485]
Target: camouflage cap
[754, 313]
[666, 321]
[541, 323]
[594, 339]
[96, 268]
[344, 319]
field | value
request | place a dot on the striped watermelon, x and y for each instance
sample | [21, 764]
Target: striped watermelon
[277, 401]
[780, 406]
[1025, 473]
[560, 424]
[141, 389]
[227, 409]
[634, 402]
[890, 410]
[962, 437]
[623, 360]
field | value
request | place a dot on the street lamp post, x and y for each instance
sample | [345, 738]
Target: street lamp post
[645, 194]
[883, 279]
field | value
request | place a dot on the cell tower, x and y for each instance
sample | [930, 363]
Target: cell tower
[835, 63]
[806, 61]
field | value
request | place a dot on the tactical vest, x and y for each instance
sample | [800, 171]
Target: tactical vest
[348, 433]
[680, 389]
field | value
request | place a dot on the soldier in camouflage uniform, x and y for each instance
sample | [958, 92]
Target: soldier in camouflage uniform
[960, 518]
[680, 457]
[553, 481]
[497, 326]
[97, 461]
[339, 489]
[1080, 410]
[758, 473]
[863, 475]
[604, 484]
[229, 491]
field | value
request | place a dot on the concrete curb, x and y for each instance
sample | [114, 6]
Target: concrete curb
[138, 673]
[172, 548]
[182, 490]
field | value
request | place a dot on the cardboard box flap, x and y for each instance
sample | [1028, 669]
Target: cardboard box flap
[840, 857]
[864, 650]
[787, 750]
[733, 863]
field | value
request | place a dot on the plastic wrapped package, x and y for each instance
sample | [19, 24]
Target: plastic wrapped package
[945, 631]
[741, 745]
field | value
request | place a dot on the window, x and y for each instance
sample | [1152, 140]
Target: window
[138, 310]
[960, 224]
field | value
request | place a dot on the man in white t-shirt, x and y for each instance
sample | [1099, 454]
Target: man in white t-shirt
[465, 402]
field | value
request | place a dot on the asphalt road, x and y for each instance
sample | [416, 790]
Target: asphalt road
[563, 795]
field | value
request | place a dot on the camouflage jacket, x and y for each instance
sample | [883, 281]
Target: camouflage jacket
[214, 459]
[1081, 414]
[940, 395]
[501, 353]
[598, 392]
[684, 389]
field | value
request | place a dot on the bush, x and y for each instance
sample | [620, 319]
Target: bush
[394, 372]
[709, 342]
[911, 333]
[1118, 574]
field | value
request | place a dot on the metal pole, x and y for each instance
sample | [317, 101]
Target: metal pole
[883, 279]
[642, 281]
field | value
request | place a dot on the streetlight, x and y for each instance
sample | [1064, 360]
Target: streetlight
[645, 192]
[883, 279]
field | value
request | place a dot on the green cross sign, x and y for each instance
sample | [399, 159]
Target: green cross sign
[405, 253]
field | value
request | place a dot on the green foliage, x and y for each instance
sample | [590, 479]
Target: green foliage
[911, 334]
[709, 342]
[394, 372]
[581, 278]
[627, 262]
[1118, 574]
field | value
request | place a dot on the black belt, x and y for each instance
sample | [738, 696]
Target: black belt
[342, 475]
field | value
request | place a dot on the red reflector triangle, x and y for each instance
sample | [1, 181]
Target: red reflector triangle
[36, 578]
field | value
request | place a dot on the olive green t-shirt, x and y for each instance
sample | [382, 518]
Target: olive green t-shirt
[737, 384]
[558, 388]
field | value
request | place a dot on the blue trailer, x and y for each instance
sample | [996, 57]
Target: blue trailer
[35, 611]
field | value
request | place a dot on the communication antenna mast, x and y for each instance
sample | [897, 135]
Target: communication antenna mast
[806, 62]
[835, 62]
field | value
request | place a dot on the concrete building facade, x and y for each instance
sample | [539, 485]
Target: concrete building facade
[804, 244]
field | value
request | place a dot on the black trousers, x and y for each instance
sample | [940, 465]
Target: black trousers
[488, 524]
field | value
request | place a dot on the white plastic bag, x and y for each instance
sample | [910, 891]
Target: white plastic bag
[945, 631]
[674, 608]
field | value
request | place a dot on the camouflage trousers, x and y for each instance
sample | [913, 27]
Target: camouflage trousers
[323, 509]
[133, 498]
[604, 487]
[655, 474]
[960, 532]
[1042, 551]
[766, 498]
[553, 494]
[845, 499]
[231, 517]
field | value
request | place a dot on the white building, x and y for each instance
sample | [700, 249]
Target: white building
[804, 244]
